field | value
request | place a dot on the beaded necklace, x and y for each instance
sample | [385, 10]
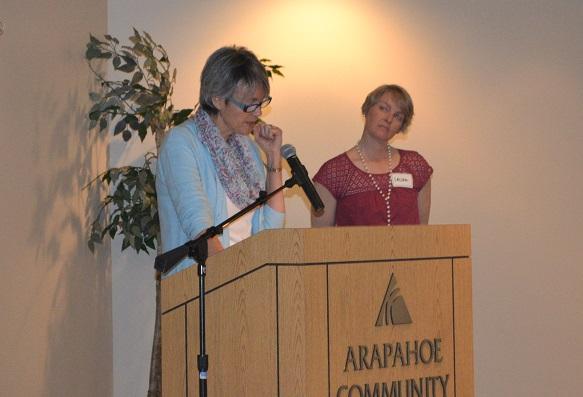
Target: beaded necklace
[386, 196]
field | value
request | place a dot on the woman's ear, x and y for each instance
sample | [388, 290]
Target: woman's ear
[219, 102]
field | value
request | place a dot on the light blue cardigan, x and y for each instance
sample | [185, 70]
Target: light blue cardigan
[190, 195]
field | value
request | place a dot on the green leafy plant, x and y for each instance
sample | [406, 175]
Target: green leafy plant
[137, 105]
[133, 207]
[271, 69]
[142, 101]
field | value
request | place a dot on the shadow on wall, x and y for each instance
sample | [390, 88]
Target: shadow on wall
[79, 335]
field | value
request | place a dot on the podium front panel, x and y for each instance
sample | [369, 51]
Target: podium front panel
[391, 329]
[303, 330]
[241, 337]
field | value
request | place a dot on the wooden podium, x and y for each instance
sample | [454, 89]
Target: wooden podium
[339, 312]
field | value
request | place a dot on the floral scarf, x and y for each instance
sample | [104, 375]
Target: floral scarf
[233, 160]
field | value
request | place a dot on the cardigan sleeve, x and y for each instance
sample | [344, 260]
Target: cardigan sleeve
[180, 171]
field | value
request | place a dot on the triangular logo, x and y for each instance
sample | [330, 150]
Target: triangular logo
[393, 309]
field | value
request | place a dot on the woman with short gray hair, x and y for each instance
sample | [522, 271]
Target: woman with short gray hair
[211, 166]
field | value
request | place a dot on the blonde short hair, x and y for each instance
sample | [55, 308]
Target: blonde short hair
[399, 94]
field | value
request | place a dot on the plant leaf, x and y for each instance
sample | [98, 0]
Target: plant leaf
[132, 121]
[143, 131]
[119, 127]
[92, 52]
[150, 243]
[94, 116]
[181, 116]
[129, 59]
[102, 124]
[145, 99]
[127, 68]
[137, 77]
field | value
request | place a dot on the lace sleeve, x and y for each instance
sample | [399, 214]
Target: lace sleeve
[421, 170]
[332, 175]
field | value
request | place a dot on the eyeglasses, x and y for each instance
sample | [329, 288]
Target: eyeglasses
[252, 107]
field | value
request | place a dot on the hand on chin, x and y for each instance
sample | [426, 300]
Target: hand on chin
[245, 128]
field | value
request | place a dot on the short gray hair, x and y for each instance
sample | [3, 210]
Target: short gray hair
[224, 70]
[399, 94]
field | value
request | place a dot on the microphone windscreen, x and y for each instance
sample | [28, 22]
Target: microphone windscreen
[288, 150]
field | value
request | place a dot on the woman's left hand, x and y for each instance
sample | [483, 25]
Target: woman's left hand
[269, 138]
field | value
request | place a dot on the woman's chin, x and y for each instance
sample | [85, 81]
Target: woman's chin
[246, 129]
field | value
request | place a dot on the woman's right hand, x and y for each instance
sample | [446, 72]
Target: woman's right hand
[269, 138]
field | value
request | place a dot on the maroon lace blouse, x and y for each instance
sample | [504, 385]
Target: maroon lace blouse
[357, 200]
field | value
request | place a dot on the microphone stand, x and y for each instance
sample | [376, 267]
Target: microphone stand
[198, 250]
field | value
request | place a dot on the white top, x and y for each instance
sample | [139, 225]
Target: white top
[241, 228]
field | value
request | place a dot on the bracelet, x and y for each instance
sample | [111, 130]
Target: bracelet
[272, 169]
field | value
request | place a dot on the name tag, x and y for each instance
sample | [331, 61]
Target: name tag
[402, 179]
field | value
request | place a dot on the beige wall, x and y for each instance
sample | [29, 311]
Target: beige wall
[498, 93]
[55, 310]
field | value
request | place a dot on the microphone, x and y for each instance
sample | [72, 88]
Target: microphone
[301, 176]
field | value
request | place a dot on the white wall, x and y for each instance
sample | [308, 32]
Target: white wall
[55, 296]
[498, 91]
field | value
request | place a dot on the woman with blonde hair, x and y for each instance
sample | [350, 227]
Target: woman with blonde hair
[374, 183]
